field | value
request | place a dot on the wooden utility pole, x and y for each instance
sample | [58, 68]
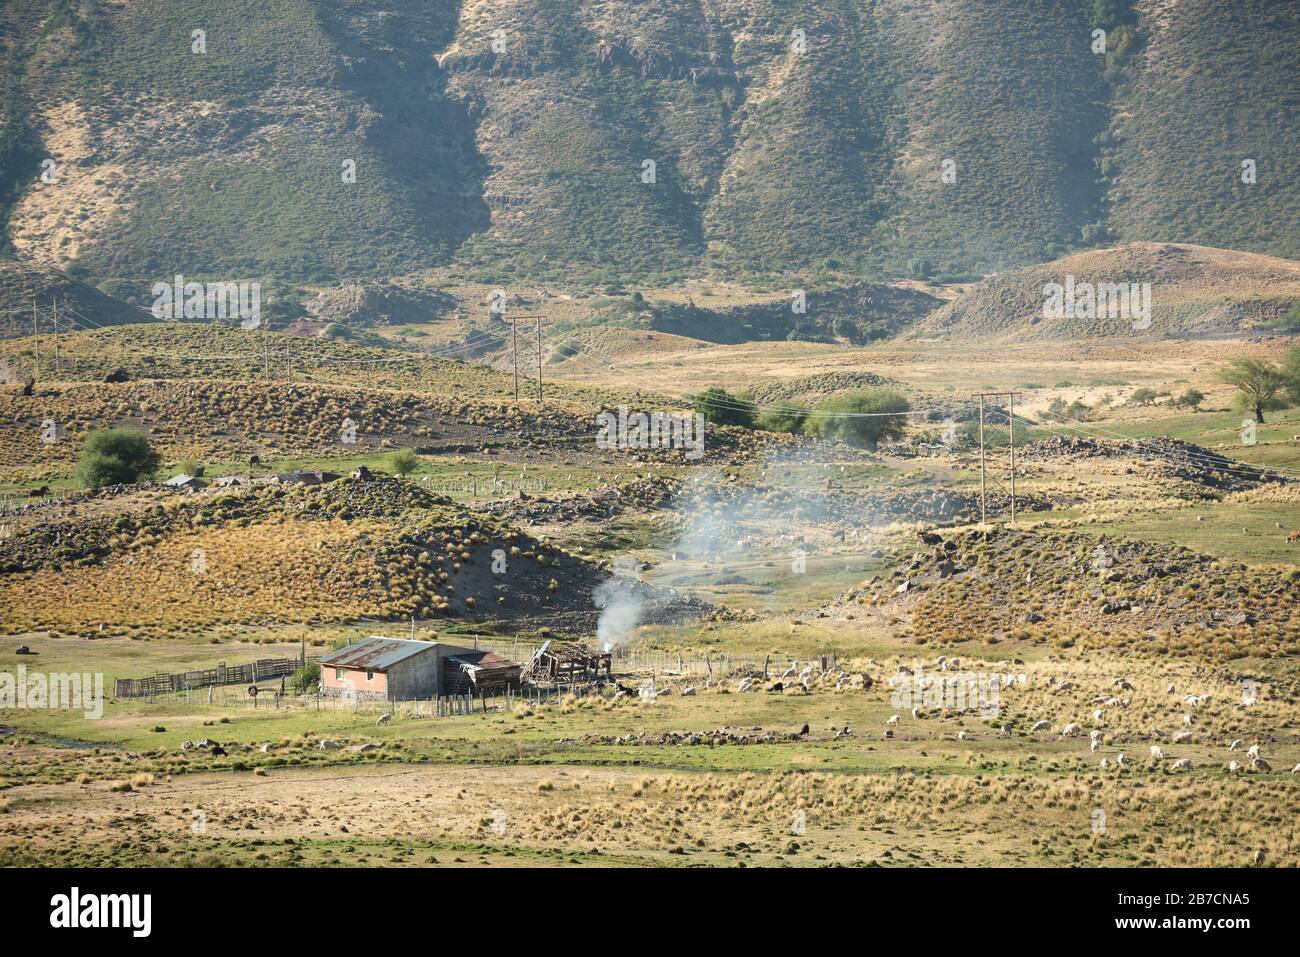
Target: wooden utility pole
[36, 339]
[514, 355]
[540, 400]
[1011, 434]
[56, 336]
[983, 509]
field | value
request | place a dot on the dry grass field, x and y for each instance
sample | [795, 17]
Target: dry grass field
[1138, 574]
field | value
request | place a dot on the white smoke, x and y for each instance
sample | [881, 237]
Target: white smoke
[621, 603]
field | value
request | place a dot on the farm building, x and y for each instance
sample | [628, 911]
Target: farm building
[403, 669]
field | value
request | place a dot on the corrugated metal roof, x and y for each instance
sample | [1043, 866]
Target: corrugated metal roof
[484, 660]
[376, 653]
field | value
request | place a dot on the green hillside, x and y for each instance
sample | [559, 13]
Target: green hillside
[510, 139]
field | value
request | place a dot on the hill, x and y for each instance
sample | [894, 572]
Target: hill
[514, 139]
[1194, 290]
[22, 284]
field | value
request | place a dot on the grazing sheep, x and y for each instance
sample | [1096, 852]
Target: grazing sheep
[1180, 764]
[1070, 730]
[1041, 726]
[1098, 716]
[688, 691]
[1169, 690]
[1187, 720]
[893, 720]
[1236, 745]
[1159, 733]
[916, 714]
[1095, 745]
[1183, 737]
[1259, 857]
[1105, 763]
[962, 736]
[1296, 769]
[1121, 760]
[1259, 764]
[384, 719]
[1234, 767]
[1156, 753]
[1253, 751]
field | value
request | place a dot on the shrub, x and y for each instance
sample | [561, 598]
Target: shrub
[720, 407]
[404, 462]
[115, 457]
[786, 419]
[860, 418]
[306, 678]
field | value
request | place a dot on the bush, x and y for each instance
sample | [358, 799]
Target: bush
[720, 407]
[860, 418]
[403, 462]
[115, 457]
[305, 678]
[786, 419]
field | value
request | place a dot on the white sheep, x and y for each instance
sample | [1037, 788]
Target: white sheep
[1105, 763]
[1187, 720]
[1157, 753]
[1121, 760]
[893, 721]
[916, 714]
[1233, 766]
[1098, 716]
[1236, 745]
[1183, 737]
[962, 736]
[1253, 751]
[1296, 769]
[1041, 726]
[1180, 764]
[1070, 730]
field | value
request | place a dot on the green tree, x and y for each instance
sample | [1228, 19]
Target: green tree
[305, 678]
[1260, 385]
[1191, 399]
[864, 418]
[1143, 396]
[720, 407]
[404, 461]
[785, 419]
[115, 457]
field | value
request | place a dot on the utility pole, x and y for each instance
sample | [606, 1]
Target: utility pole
[539, 360]
[983, 510]
[36, 339]
[514, 355]
[1011, 433]
[1011, 425]
[56, 336]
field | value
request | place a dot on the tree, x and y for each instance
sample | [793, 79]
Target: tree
[785, 419]
[720, 407]
[1259, 384]
[115, 457]
[1191, 399]
[865, 418]
[404, 461]
[1143, 396]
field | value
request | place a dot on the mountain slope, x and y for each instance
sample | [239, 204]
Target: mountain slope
[513, 137]
[1194, 289]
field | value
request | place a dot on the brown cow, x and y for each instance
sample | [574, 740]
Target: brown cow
[1293, 537]
[41, 492]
